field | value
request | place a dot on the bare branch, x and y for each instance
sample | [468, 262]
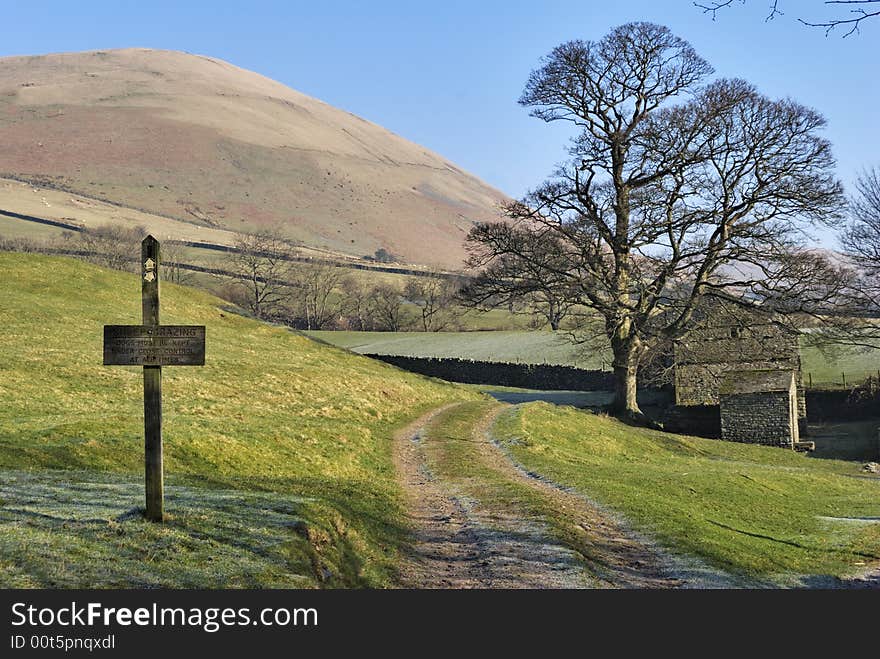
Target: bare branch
[852, 20]
[263, 272]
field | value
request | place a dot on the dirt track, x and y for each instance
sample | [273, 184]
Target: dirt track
[467, 541]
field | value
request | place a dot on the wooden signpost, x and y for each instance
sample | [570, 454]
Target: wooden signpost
[153, 346]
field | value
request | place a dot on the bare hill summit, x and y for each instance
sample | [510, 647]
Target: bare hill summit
[200, 140]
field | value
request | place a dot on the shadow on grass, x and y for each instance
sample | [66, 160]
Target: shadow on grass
[791, 543]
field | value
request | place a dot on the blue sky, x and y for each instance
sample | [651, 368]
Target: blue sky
[447, 74]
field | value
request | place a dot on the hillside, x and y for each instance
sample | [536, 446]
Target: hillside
[277, 460]
[198, 140]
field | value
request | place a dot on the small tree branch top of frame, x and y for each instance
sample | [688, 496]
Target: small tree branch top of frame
[855, 13]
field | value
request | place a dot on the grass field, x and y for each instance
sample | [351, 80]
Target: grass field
[832, 366]
[11, 227]
[761, 512]
[277, 450]
[510, 346]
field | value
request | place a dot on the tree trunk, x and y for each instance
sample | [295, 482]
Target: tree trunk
[626, 368]
[625, 387]
[626, 365]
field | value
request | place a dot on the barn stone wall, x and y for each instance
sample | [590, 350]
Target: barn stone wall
[757, 418]
[759, 407]
[700, 420]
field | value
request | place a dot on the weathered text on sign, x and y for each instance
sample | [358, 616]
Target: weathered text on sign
[154, 345]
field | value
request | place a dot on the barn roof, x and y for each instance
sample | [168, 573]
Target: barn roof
[750, 382]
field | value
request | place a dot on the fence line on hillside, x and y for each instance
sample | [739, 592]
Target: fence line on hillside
[338, 263]
[846, 379]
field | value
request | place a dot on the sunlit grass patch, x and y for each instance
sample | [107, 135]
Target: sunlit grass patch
[750, 509]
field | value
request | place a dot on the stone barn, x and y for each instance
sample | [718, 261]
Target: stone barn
[760, 407]
[730, 337]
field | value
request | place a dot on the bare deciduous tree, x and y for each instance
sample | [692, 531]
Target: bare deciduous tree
[382, 255]
[549, 307]
[356, 303]
[523, 268]
[172, 261]
[113, 245]
[385, 306]
[20, 244]
[861, 243]
[314, 285]
[263, 270]
[861, 239]
[435, 298]
[662, 203]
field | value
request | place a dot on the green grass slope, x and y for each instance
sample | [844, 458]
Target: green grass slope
[277, 451]
[762, 512]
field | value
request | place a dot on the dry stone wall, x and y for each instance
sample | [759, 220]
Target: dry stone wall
[529, 376]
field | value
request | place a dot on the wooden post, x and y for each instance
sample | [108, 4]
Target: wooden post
[152, 346]
[155, 488]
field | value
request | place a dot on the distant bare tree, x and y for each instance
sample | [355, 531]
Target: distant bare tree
[861, 239]
[858, 11]
[382, 255]
[356, 297]
[20, 244]
[68, 237]
[173, 253]
[263, 271]
[385, 306]
[549, 308]
[113, 245]
[435, 298]
[314, 284]
[861, 242]
[526, 285]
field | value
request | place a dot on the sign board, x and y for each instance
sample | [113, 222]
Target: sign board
[154, 345]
